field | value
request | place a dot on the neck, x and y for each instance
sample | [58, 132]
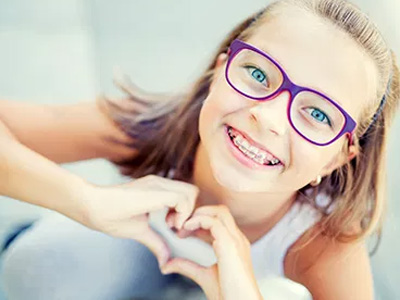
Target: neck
[253, 212]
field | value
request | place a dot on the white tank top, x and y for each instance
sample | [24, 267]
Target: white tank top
[268, 253]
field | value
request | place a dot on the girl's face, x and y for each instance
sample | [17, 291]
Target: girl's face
[314, 54]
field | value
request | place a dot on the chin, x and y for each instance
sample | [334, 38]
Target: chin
[233, 180]
[230, 183]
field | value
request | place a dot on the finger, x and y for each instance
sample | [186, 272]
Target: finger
[183, 233]
[184, 205]
[206, 278]
[156, 245]
[144, 181]
[199, 233]
[217, 229]
[222, 212]
[144, 201]
[184, 208]
[170, 218]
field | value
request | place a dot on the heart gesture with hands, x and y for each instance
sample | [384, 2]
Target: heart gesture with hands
[232, 276]
[123, 211]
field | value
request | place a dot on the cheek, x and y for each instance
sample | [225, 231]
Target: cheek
[219, 105]
[309, 160]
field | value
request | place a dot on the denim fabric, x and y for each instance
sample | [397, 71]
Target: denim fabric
[60, 259]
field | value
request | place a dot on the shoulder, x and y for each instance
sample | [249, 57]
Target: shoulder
[330, 269]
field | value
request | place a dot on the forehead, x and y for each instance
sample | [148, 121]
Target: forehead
[315, 54]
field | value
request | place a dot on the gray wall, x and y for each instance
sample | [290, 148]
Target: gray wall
[67, 51]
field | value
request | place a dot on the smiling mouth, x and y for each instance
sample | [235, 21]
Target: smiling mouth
[251, 151]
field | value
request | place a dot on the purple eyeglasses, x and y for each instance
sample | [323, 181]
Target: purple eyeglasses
[314, 116]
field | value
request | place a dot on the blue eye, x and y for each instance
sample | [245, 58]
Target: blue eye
[257, 74]
[319, 115]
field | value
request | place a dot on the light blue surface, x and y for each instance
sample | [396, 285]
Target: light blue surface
[66, 51]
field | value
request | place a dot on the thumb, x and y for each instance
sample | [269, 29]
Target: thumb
[206, 278]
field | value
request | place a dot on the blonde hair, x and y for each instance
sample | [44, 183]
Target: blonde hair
[165, 128]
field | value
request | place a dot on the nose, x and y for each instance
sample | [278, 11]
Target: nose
[271, 114]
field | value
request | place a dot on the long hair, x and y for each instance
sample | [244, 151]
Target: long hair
[164, 128]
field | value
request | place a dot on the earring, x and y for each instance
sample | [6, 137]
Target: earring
[317, 181]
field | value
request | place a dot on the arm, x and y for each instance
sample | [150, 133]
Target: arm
[65, 133]
[332, 270]
[27, 176]
[115, 210]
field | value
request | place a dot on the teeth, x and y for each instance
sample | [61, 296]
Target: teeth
[246, 144]
[251, 154]
[261, 156]
[251, 151]
[260, 161]
[275, 161]
[243, 149]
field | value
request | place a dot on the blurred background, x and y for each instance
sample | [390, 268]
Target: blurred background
[67, 51]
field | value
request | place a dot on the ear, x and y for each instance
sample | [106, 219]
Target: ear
[339, 160]
[221, 59]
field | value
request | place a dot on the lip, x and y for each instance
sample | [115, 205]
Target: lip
[243, 159]
[253, 142]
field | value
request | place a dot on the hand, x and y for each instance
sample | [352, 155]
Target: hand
[123, 211]
[232, 277]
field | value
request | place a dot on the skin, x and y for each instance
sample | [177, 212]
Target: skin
[64, 133]
[236, 205]
[256, 199]
[286, 39]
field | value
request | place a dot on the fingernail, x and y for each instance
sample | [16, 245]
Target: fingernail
[165, 271]
[179, 224]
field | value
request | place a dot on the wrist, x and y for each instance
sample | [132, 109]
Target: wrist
[29, 177]
[77, 204]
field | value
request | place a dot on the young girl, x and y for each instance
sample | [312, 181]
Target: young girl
[284, 136]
